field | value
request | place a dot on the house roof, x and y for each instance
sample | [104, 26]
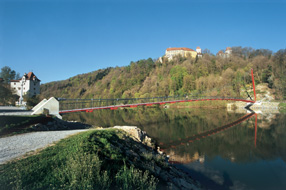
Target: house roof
[198, 47]
[182, 48]
[14, 80]
[220, 52]
[31, 76]
[228, 48]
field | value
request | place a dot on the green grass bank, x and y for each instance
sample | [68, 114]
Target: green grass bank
[96, 159]
[85, 161]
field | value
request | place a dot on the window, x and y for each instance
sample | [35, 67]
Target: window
[34, 88]
[19, 88]
[14, 83]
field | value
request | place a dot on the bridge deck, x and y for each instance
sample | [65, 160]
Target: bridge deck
[114, 107]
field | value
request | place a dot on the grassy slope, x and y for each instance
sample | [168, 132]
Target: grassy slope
[105, 159]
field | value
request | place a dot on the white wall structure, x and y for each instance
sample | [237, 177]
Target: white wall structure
[29, 84]
[52, 105]
[199, 51]
[225, 54]
[183, 51]
[228, 51]
[40, 104]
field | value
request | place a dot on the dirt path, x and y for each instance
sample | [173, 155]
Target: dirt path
[18, 145]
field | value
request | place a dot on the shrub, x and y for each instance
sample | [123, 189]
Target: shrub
[131, 178]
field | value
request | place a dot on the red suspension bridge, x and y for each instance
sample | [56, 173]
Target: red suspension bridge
[89, 105]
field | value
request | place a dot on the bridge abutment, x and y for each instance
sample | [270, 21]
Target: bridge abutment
[50, 106]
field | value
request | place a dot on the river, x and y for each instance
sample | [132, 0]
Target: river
[220, 149]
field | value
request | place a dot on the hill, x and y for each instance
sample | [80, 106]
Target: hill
[215, 75]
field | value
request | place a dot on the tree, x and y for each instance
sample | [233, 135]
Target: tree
[279, 72]
[31, 101]
[188, 84]
[237, 51]
[207, 51]
[263, 52]
[177, 75]
[6, 95]
[8, 74]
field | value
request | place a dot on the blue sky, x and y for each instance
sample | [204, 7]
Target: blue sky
[58, 39]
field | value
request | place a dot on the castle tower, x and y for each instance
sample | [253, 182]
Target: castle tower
[199, 51]
[228, 50]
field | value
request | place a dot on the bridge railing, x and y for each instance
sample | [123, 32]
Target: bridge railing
[69, 104]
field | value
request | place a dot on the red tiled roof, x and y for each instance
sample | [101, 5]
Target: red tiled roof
[228, 48]
[31, 76]
[220, 52]
[183, 48]
[198, 47]
[14, 80]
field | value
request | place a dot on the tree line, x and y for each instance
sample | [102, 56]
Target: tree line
[210, 75]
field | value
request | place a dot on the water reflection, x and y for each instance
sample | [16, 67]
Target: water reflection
[199, 136]
[173, 127]
[221, 149]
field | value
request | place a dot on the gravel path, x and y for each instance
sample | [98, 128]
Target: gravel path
[18, 145]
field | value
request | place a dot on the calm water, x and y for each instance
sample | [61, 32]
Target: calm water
[221, 150]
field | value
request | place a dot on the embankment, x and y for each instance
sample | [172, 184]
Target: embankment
[114, 158]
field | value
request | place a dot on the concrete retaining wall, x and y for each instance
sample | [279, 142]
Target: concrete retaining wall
[40, 104]
[52, 106]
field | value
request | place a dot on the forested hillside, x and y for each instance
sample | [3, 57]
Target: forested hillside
[148, 78]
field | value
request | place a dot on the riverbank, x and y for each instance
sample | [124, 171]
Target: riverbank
[13, 125]
[119, 157]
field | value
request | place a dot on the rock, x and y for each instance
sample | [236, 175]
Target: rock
[136, 133]
[159, 150]
[131, 153]
[50, 123]
[164, 175]
[157, 170]
[184, 184]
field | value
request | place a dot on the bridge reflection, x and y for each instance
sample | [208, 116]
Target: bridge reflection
[187, 141]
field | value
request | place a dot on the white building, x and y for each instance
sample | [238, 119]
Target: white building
[183, 51]
[29, 84]
[228, 51]
[225, 54]
[199, 52]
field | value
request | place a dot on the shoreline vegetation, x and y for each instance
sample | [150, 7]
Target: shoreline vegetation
[110, 158]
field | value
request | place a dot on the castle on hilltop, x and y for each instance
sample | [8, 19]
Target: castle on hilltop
[182, 51]
[172, 52]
